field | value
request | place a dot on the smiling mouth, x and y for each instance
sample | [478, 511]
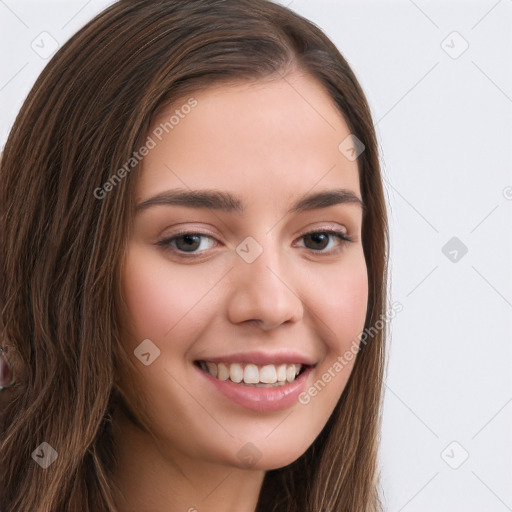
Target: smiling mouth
[249, 374]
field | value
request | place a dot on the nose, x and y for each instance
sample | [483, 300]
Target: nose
[263, 294]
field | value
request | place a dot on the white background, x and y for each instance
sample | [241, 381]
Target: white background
[444, 121]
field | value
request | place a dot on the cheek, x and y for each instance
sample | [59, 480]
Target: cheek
[341, 310]
[162, 301]
[341, 302]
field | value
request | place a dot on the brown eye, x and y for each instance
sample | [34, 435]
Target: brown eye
[187, 243]
[317, 241]
[324, 241]
[191, 243]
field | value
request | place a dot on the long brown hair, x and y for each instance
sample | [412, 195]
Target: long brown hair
[61, 246]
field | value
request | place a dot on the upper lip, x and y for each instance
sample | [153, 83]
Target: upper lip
[262, 358]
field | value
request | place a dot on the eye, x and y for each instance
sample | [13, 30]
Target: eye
[192, 244]
[324, 240]
[188, 242]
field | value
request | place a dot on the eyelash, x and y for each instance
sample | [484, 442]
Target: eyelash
[165, 243]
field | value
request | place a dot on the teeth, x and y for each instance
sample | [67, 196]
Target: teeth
[290, 373]
[236, 374]
[212, 369]
[253, 375]
[281, 373]
[222, 372]
[268, 374]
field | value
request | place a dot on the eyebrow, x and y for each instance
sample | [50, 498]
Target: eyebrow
[225, 201]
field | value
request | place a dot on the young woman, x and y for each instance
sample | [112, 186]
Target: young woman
[193, 270]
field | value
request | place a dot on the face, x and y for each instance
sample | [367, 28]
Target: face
[245, 268]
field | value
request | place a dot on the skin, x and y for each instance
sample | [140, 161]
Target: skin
[269, 143]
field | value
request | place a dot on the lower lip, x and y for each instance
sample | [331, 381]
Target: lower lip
[260, 399]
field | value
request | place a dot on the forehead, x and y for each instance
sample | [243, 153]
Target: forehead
[271, 137]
